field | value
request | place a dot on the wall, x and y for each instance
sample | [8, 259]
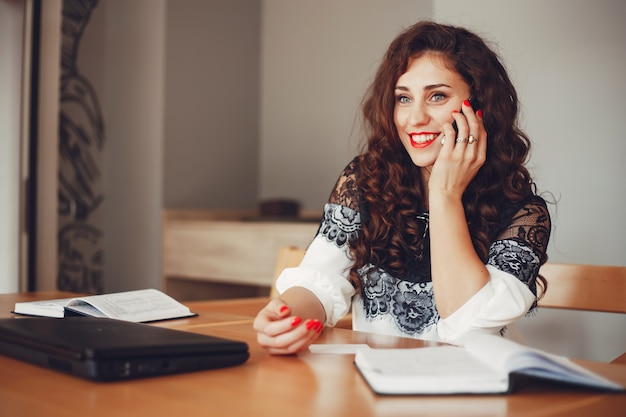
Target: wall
[133, 104]
[212, 104]
[317, 60]
[173, 133]
[13, 107]
[11, 49]
[46, 262]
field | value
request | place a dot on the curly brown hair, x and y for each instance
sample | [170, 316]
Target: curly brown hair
[391, 184]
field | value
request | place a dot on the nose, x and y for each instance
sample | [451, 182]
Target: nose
[418, 114]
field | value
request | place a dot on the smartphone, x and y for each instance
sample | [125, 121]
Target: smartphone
[474, 103]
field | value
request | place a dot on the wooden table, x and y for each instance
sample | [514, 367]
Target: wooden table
[308, 384]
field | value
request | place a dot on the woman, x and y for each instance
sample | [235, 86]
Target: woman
[435, 229]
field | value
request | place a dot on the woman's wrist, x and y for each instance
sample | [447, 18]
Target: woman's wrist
[302, 302]
[443, 199]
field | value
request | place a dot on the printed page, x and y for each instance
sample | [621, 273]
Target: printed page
[46, 308]
[136, 306]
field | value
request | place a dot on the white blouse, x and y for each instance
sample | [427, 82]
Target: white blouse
[324, 272]
[405, 306]
[392, 306]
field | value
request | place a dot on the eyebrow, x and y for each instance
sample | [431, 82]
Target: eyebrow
[426, 88]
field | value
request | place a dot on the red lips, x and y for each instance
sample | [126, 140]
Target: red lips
[430, 138]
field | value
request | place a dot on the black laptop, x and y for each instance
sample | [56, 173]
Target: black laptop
[104, 349]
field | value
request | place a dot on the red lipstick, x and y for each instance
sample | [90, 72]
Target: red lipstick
[421, 140]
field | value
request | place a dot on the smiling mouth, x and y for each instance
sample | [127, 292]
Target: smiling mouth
[422, 140]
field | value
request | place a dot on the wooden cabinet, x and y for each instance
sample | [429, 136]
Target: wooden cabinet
[208, 254]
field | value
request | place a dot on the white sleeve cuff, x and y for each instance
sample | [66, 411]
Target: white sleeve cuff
[324, 272]
[500, 302]
[335, 298]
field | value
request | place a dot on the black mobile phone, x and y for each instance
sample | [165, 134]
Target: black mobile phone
[474, 103]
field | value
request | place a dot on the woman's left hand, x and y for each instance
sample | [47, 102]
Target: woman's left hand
[461, 154]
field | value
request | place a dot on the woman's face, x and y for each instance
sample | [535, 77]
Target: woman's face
[426, 95]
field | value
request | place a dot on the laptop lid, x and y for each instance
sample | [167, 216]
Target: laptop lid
[105, 349]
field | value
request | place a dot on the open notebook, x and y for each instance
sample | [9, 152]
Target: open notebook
[486, 364]
[105, 349]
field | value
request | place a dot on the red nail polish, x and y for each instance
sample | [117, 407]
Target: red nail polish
[283, 309]
[479, 113]
[319, 327]
[296, 320]
[310, 324]
[455, 111]
[467, 103]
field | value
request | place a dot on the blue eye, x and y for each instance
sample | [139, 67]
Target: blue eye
[437, 97]
[403, 99]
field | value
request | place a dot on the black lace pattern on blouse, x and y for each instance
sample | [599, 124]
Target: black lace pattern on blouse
[529, 223]
[342, 219]
[339, 224]
[409, 301]
[411, 305]
[516, 258]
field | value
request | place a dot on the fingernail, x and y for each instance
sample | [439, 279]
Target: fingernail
[479, 113]
[296, 320]
[283, 309]
[467, 103]
[455, 111]
[319, 327]
[310, 324]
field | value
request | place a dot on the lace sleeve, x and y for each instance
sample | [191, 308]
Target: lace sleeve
[345, 193]
[531, 225]
[520, 249]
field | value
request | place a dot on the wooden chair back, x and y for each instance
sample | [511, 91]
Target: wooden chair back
[288, 257]
[585, 287]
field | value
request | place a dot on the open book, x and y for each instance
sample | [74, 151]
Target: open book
[487, 364]
[136, 306]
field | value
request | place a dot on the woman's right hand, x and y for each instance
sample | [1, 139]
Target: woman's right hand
[282, 333]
